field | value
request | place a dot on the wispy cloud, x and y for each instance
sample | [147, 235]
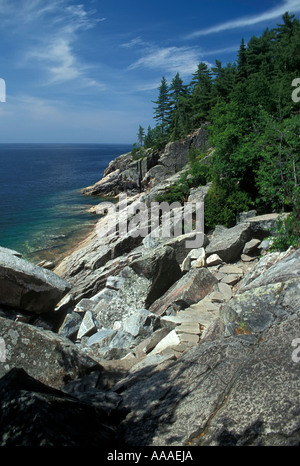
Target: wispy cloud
[137, 41]
[287, 5]
[183, 60]
[53, 28]
[59, 60]
[233, 48]
[16, 14]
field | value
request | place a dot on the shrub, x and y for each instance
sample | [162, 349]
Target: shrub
[287, 233]
[223, 202]
[138, 152]
[175, 193]
[199, 175]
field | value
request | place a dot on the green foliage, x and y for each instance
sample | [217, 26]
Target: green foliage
[278, 172]
[224, 79]
[138, 152]
[141, 135]
[253, 124]
[162, 109]
[155, 139]
[196, 155]
[287, 233]
[175, 193]
[201, 95]
[223, 202]
[199, 175]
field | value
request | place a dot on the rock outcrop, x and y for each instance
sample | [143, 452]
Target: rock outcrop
[139, 340]
[123, 173]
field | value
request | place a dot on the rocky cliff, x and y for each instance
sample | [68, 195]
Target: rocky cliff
[144, 341]
[154, 167]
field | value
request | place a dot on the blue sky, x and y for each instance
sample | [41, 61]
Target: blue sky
[88, 71]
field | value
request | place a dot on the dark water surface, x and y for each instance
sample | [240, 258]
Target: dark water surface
[42, 211]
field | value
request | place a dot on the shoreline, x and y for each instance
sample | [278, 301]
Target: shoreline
[62, 249]
[65, 245]
[84, 239]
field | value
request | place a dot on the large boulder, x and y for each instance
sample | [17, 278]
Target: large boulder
[154, 167]
[176, 154]
[10, 251]
[160, 266]
[28, 287]
[33, 414]
[277, 268]
[190, 289]
[261, 225]
[113, 307]
[49, 358]
[229, 243]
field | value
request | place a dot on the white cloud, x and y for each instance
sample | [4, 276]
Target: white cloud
[231, 49]
[134, 42]
[183, 60]
[16, 14]
[288, 5]
[53, 28]
[150, 86]
[59, 59]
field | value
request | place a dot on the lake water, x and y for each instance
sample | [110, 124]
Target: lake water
[42, 211]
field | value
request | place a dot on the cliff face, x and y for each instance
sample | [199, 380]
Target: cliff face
[124, 174]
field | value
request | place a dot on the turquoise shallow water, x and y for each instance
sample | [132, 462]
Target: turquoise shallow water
[42, 211]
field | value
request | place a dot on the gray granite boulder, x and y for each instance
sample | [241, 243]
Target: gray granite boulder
[44, 355]
[160, 266]
[28, 287]
[124, 302]
[229, 243]
[190, 289]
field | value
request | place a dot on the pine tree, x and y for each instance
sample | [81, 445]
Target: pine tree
[141, 135]
[178, 108]
[224, 79]
[149, 140]
[260, 54]
[242, 62]
[162, 109]
[201, 94]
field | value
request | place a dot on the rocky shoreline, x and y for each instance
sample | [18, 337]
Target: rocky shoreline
[144, 341]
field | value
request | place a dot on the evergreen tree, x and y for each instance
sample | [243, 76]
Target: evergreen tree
[149, 140]
[141, 135]
[224, 79]
[278, 175]
[260, 54]
[162, 109]
[178, 108]
[201, 94]
[242, 62]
